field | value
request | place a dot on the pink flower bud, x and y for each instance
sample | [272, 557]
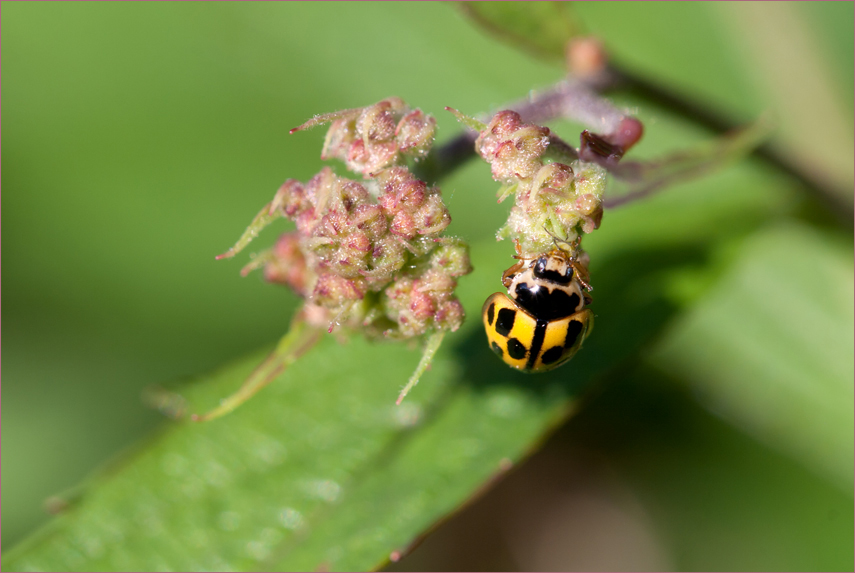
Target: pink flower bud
[404, 225]
[432, 218]
[357, 154]
[369, 218]
[452, 259]
[450, 315]
[587, 204]
[421, 304]
[504, 123]
[290, 199]
[401, 190]
[415, 133]
[358, 241]
[586, 57]
[437, 282]
[287, 265]
[511, 147]
[378, 122]
[340, 138]
[557, 176]
[332, 290]
[350, 194]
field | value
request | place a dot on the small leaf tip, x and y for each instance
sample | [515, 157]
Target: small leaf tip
[469, 122]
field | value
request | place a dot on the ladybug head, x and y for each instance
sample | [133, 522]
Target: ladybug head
[553, 269]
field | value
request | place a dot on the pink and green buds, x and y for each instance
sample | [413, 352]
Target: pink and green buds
[368, 254]
[557, 194]
[370, 139]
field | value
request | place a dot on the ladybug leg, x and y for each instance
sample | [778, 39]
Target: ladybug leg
[582, 276]
[519, 254]
[509, 274]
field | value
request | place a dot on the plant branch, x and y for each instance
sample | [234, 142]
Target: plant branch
[623, 81]
[581, 100]
[300, 338]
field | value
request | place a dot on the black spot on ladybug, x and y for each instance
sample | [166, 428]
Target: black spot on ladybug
[515, 348]
[497, 349]
[573, 330]
[552, 355]
[541, 272]
[491, 313]
[545, 304]
[505, 321]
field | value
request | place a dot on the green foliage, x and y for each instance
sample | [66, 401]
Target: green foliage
[138, 146]
[541, 28]
[767, 348]
[321, 471]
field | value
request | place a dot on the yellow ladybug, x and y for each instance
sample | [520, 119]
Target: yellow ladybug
[542, 321]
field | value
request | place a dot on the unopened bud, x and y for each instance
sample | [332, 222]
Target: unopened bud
[376, 137]
[286, 265]
[586, 57]
[512, 148]
[415, 134]
[332, 290]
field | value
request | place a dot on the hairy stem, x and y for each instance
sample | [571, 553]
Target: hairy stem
[299, 339]
[431, 346]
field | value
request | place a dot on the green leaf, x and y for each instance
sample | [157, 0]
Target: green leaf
[321, 470]
[542, 28]
[770, 348]
[186, 158]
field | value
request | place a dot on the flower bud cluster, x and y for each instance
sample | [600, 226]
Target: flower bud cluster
[286, 265]
[368, 254]
[422, 298]
[373, 138]
[513, 149]
[553, 199]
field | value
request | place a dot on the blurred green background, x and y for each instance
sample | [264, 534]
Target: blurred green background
[139, 139]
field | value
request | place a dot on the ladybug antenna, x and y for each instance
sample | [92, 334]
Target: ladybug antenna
[571, 248]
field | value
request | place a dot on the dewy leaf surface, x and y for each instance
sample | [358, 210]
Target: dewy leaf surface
[320, 471]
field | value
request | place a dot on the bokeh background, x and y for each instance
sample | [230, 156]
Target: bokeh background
[139, 139]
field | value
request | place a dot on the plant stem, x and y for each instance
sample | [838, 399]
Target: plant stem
[431, 346]
[299, 339]
[623, 81]
[582, 101]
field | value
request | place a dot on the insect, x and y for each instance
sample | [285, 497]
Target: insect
[542, 321]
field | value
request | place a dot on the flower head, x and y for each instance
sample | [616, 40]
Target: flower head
[368, 254]
[373, 138]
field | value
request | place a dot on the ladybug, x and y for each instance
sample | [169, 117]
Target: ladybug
[542, 321]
